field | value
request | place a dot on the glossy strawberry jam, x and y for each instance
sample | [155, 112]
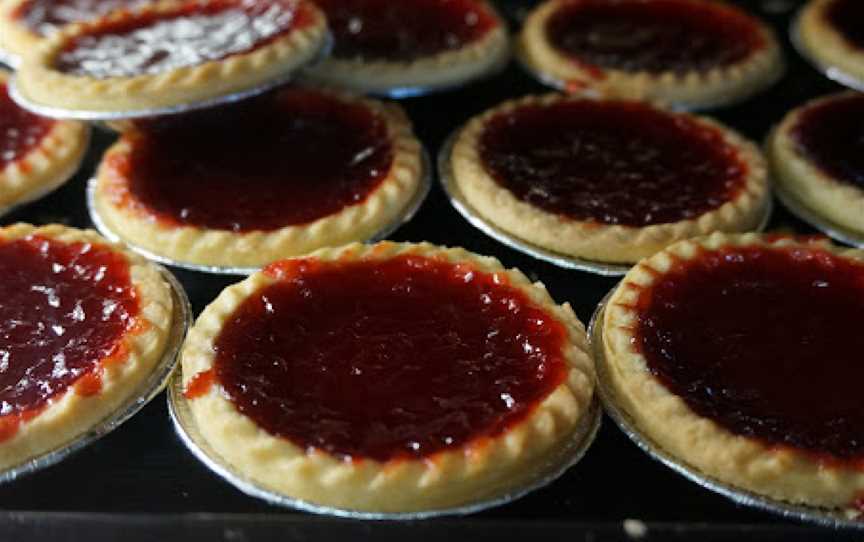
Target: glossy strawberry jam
[46, 16]
[286, 158]
[189, 35]
[20, 130]
[831, 135]
[63, 308]
[653, 36]
[766, 342]
[404, 30]
[387, 359]
[847, 16]
[611, 162]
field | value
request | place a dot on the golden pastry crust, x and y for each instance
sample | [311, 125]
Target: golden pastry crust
[779, 473]
[71, 414]
[479, 470]
[693, 89]
[39, 82]
[130, 220]
[591, 240]
[839, 202]
[442, 70]
[47, 165]
[825, 44]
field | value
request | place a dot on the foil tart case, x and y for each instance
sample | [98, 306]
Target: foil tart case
[147, 390]
[809, 514]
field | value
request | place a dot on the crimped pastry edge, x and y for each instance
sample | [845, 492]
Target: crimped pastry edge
[481, 469]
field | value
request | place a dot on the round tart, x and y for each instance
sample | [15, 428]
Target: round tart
[741, 356]
[817, 154]
[381, 45]
[690, 53]
[82, 325]
[275, 176]
[831, 33]
[388, 378]
[25, 23]
[607, 180]
[37, 154]
[170, 54]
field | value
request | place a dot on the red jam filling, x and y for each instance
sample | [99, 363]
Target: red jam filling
[286, 158]
[20, 130]
[192, 34]
[831, 135]
[46, 16]
[847, 16]
[611, 162]
[654, 36]
[64, 307]
[766, 342]
[388, 359]
[406, 29]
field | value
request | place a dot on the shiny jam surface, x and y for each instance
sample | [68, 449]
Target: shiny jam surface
[611, 162]
[286, 158]
[63, 308]
[654, 36]
[831, 135]
[20, 130]
[847, 16]
[406, 29]
[766, 342]
[46, 16]
[190, 35]
[388, 359]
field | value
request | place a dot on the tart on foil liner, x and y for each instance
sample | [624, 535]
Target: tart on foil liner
[404, 217]
[77, 114]
[481, 223]
[831, 72]
[148, 389]
[548, 471]
[826, 226]
[820, 516]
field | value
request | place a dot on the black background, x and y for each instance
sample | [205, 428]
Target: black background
[143, 468]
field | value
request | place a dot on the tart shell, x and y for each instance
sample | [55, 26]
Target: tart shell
[779, 473]
[696, 90]
[38, 82]
[825, 44]
[590, 240]
[71, 414]
[133, 223]
[481, 469]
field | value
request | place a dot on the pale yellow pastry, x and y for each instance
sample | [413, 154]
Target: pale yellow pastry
[816, 157]
[690, 53]
[268, 178]
[606, 180]
[409, 378]
[83, 323]
[152, 57]
[740, 356]
[382, 46]
[830, 33]
[37, 154]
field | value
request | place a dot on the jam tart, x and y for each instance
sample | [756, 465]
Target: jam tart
[279, 175]
[386, 47]
[171, 54]
[83, 322]
[830, 32]
[817, 155]
[37, 154]
[606, 180]
[773, 409]
[387, 378]
[690, 53]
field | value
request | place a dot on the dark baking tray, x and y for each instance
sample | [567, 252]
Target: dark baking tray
[140, 483]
